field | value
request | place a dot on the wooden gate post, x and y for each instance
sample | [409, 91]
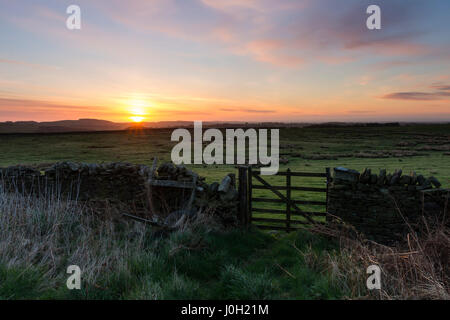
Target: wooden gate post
[249, 196]
[328, 173]
[288, 202]
[243, 196]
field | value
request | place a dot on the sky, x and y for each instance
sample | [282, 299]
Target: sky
[225, 60]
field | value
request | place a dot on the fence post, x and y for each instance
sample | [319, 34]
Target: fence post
[327, 170]
[243, 198]
[249, 197]
[288, 203]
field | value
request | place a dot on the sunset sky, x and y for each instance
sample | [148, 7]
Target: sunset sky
[245, 60]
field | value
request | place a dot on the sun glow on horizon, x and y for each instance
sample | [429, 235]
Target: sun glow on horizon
[138, 109]
[137, 119]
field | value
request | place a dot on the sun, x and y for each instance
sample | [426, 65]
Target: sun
[137, 119]
[138, 110]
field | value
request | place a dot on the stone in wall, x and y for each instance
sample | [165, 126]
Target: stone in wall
[221, 200]
[19, 178]
[379, 205]
[116, 182]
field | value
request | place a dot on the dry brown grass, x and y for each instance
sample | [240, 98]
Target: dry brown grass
[52, 233]
[415, 269]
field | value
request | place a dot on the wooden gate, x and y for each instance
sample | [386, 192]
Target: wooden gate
[281, 207]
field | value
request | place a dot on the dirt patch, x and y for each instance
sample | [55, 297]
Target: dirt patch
[434, 148]
[99, 147]
[387, 154]
[315, 156]
[407, 144]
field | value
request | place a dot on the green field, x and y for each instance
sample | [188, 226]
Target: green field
[423, 148]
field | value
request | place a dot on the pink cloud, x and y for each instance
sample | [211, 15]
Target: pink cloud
[39, 110]
[300, 31]
[417, 96]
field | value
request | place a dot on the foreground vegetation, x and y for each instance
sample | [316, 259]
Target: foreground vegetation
[122, 259]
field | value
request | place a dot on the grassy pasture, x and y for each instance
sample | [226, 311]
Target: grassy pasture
[423, 148]
[307, 149]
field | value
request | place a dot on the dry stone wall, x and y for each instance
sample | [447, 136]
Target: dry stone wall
[378, 205]
[80, 181]
[127, 185]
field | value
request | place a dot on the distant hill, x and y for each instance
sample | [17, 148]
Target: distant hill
[83, 125]
[61, 126]
[87, 125]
